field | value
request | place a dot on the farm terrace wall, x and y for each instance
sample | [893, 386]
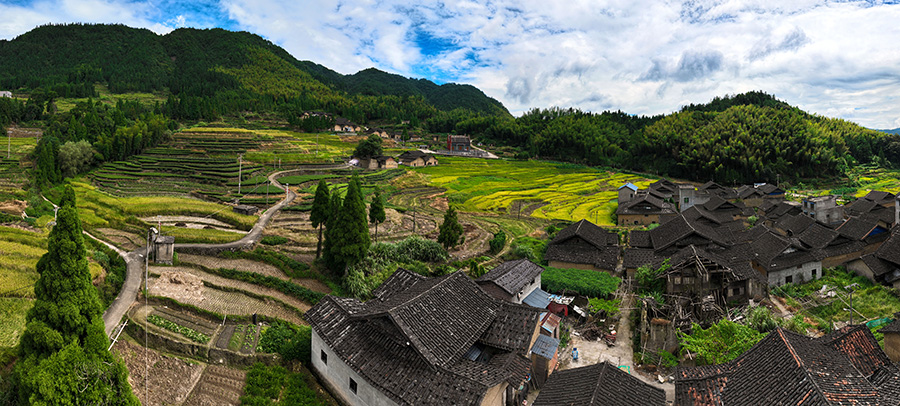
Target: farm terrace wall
[337, 376]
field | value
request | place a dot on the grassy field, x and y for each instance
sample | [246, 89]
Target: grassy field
[105, 96]
[552, 190]
[12, 319]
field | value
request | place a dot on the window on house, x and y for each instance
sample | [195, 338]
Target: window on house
[324, 357]
[789, 279]
[686, 199]
[735, 291]
[353, 386]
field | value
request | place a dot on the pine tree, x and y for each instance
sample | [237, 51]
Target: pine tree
[319, 213]
[63, 351]
[352, 228]
[376, 211]
[450, 229]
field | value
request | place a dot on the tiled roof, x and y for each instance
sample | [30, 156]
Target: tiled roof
[893, 327]
[678, 228]
[817, 236]
[410, 339]
[769, 252]
[747, 192]
[794, 224]
[769, 189]
[717, 190]
[646, 204]
[856, 228]
[880, 197]
[545, 346]
[407, 156]
[595, 385]
[664, 186]
[638, 257]
[860, 206]
[782, 208]
[512, 276]
[606, 257]
[689, 255]
[639, 239]
[588, 231]
[890, 250]
[878, 266]
[787, 368]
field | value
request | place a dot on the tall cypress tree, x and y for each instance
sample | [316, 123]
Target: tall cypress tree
[332, 234]
[63, 351]
[376, 211]
[320, 210]
[352, 227]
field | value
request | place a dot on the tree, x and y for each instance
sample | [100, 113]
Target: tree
[75, 157]
[376, 211]
[352, 228]
[63, 351]
[332, 236]
[649, 278]
[320, 210]
[369, 147]
[450, 230]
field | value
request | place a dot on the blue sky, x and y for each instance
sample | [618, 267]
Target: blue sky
[833, 58]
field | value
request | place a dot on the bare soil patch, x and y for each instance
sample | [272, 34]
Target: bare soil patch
[124, 240]
[16, 207]
[192, 222]
[218, 386]
[239, 264]
[171, 379]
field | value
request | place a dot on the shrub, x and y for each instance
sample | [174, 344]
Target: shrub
[585, 282]
[286, 264]
[273, 240]
[761, 319]
[498, 242]
[611, 307]
[411, 249]
[530, 248]
[721, 342]
[292, 342]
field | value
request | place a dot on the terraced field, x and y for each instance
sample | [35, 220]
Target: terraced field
[19, 143]
[545, 189]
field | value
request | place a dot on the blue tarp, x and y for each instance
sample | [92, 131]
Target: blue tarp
[538, 298]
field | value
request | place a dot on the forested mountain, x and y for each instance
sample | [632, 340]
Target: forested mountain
[891, 131]
[230, 71]
[750, 137]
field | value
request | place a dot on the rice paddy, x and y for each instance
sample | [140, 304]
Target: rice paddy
[547, 190]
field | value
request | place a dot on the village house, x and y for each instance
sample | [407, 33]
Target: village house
[626, 192]
[583, 245]
[663, 188]
[782, 260]
[772, 210]
[5, 93]
[644, 209]
[842, 368]
[892, 338]
[343, 125]
[378, 162]
[599, 384]
[423, 341]
[876, 205]
[883, 265]
[512, 281]
[824, 209]
[417, 158]
[714, 189]
[458, 143]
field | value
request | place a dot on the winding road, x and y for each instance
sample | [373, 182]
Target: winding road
[135, 259]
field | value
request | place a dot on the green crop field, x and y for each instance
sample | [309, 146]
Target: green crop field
[553, 190]
[12, 319]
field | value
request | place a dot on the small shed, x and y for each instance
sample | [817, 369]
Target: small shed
[245, 209]
[544, 357]
[163, 249]
[892, 339]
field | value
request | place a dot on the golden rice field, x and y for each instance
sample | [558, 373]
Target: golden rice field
[567, 192]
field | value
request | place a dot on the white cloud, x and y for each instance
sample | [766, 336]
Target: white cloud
[643, 57]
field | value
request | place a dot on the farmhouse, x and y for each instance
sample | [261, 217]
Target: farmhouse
[644, 209]
[598, 384]
[458, 143]
[824, 209]
[627, 192]
[343, 125]
[512, 281]
[378, 162]
[714, 189]
[883, 265]
[878, 206]
[417, 158]
[781, 260]
[785, 368]
[583, 245]
[423, 341]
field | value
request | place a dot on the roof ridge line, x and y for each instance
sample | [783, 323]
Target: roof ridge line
[603, 366]
[801, 364]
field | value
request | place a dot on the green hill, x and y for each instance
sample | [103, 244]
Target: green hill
[237, 69]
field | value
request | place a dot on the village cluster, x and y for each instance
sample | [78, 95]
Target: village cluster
[453, 340]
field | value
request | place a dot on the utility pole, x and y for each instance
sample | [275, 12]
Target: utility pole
[850, 287]
[317, 144]
[240, 165]
[268, 183]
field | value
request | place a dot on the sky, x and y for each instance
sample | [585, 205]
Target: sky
[833, 58]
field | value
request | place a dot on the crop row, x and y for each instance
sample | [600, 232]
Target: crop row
[171, 326]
